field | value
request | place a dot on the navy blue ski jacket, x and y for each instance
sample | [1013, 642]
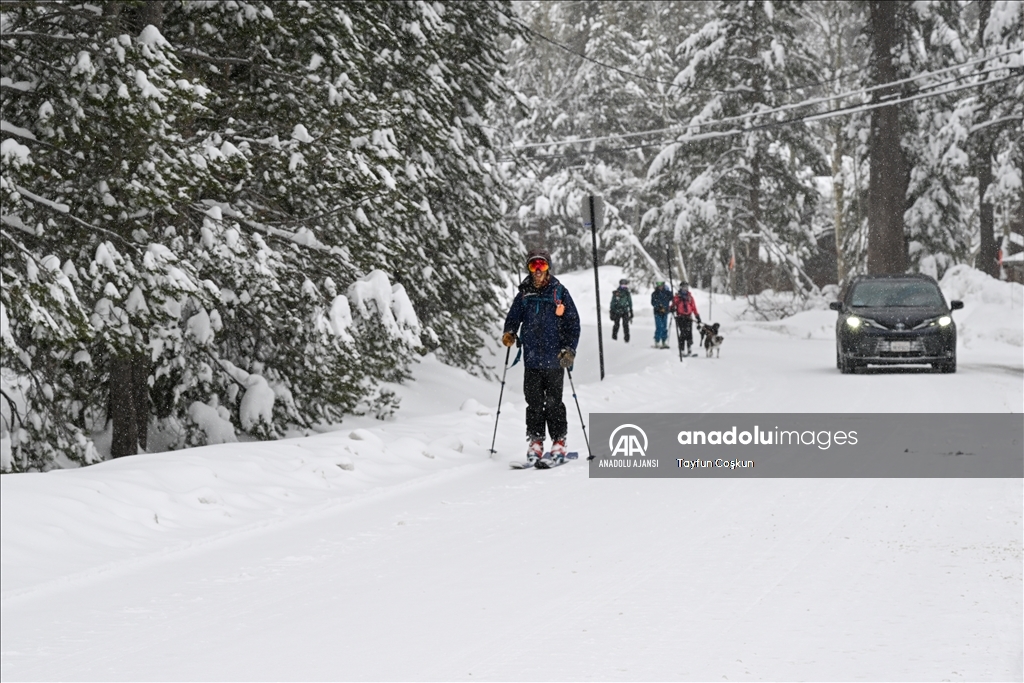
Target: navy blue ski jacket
[532, 318]
[661, 297]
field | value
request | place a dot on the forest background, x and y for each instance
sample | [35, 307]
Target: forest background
[227, 217]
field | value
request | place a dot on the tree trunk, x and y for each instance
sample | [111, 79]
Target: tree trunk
[129, 404]
[988, 256]
[140, 396]
[122, 409]
[981, 161]
[887, 187]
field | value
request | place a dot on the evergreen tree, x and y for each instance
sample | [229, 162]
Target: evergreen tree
[969, 134]
[98, 167]
[750, 193]
[605, 73]
[229, 214]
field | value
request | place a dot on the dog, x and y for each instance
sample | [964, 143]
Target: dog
[711, 340]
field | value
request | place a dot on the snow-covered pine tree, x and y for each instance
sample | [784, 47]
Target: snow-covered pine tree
[834, 30]
[89, 101]
[230, 256]
[386, 163]
[441, 70]
[938, 213]
[287, 99]
[748, 193]
[588, 70]
[966, 134]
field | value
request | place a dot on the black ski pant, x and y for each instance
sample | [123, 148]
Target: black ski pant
[684, 330]
[544, 407]
[624, 319]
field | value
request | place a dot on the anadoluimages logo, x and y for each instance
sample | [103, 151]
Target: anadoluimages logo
[628, 444]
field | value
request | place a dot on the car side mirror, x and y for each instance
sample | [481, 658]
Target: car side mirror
[838, 306]
[956, 305]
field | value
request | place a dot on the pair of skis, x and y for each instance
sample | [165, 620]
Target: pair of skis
[545, 463]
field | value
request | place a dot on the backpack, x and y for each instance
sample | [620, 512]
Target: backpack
[620, 302]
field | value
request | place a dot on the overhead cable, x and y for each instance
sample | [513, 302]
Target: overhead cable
[734, 90]
[806, 118]
[798, 105]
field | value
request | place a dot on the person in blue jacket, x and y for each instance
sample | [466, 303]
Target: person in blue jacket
[543, 318]
[661, 297]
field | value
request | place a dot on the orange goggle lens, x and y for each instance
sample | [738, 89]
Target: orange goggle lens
[537, 264]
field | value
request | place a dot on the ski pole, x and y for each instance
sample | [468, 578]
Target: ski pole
[500, 394]
[590, 456]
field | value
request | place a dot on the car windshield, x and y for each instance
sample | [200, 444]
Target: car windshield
[887, 293]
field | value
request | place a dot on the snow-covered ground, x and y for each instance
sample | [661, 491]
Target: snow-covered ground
[401, 550]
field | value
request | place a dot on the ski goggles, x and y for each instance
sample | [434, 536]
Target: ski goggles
[537, 264]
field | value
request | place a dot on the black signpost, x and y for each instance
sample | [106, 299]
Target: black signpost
[672, 286]
[593, 212]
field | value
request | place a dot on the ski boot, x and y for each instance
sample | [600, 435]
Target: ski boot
[558, 450]
[535, 451]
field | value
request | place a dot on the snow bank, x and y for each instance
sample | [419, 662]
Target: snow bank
[993, 309]
[67, 522]
[804, 325]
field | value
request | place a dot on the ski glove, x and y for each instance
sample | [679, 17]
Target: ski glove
[566, 357]
[508, 339]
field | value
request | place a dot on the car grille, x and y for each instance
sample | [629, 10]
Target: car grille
[900, 347]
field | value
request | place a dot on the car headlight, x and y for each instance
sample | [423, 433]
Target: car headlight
[944, 321]
[854, 322]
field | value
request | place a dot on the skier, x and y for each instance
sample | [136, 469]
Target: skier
[685, 308]
[545, 321]
[622, 310]
[661, 297]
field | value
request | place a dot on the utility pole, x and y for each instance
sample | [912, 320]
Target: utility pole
[593, 210]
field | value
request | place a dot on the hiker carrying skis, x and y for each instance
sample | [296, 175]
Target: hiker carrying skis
[545, 321]
[685, 308]
[622, 310]
[661, 297]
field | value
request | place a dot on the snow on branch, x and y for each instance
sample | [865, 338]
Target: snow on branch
[373, 296]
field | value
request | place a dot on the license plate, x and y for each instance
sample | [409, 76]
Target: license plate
[903, 346]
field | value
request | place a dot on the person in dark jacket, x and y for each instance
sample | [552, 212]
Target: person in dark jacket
[661, 297]
[622, 310]
[543, 318]
[685, 308]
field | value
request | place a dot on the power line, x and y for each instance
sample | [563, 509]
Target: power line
[566, 48]
[797, 105]
[807, 118]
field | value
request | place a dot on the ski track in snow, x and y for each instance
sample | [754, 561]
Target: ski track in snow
[425, 559]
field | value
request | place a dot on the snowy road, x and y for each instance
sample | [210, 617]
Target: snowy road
[454, 567]
[486, 574]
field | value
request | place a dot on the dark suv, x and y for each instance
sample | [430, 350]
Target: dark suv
[895, 320]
